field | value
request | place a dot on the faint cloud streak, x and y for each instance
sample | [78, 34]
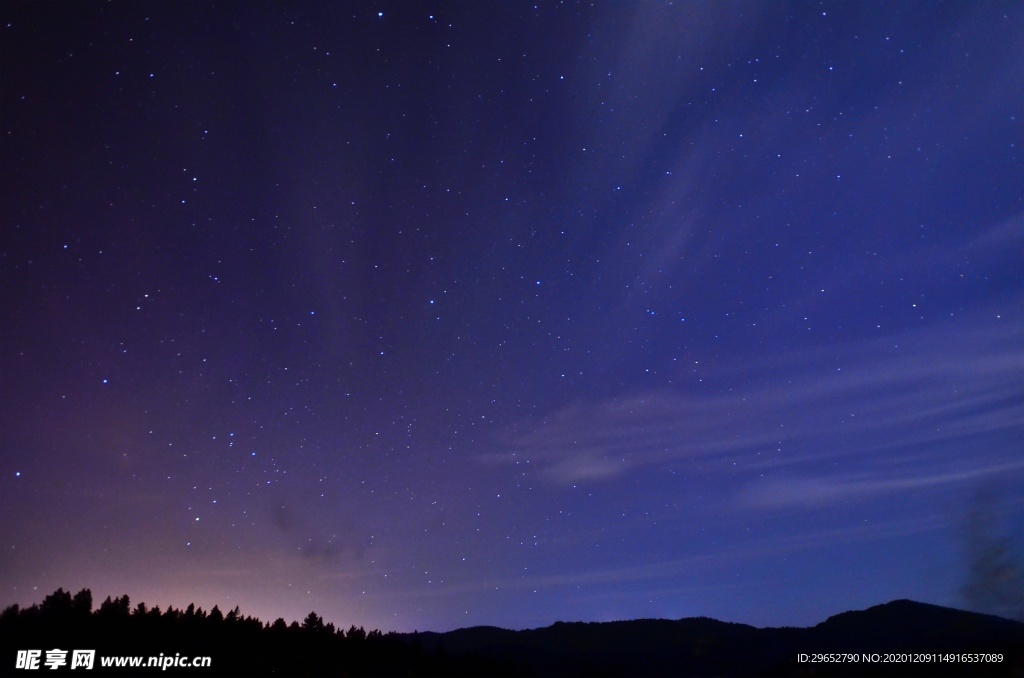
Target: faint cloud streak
[948, 389]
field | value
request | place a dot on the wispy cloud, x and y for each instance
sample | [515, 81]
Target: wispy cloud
[946, 388]
[811, 491]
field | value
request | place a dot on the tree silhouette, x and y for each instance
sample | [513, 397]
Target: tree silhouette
[81, 604]
[241, 645]
[313, 622]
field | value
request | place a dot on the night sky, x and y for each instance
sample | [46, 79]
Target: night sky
[428, 315]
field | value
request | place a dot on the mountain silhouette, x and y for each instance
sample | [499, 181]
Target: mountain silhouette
[702, 646]
[900, 638]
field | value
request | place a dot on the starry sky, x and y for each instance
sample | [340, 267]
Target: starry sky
[434, 314]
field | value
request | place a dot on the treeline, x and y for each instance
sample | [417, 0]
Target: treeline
[923, 640]
[236, 644]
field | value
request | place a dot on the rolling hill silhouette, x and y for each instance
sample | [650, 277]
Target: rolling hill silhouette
[703, 646]
[900, 638]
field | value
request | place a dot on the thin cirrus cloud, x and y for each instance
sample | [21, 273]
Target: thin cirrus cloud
[805, 492]
[948, 385]
[940, 388]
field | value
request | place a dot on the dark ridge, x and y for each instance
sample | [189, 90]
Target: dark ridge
[900, 638]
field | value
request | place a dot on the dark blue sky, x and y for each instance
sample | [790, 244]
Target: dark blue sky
[434, 315]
